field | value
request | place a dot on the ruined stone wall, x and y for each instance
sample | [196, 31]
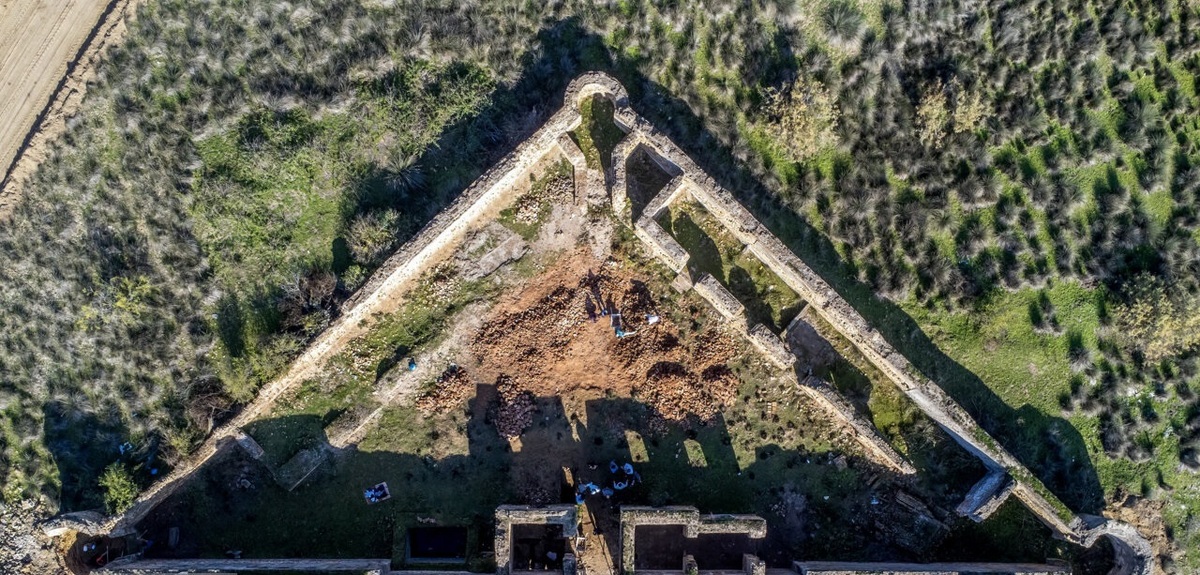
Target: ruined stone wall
[662, 245]
[138, 566]
[986, 496]
[509, 515]
[482, 199]
[693, 524]
[478, 202]
[927, 395]
[823, 394]
[827, 303]
[895, 568]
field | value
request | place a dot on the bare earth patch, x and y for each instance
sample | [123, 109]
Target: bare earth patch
[48, 51]
[558, 337]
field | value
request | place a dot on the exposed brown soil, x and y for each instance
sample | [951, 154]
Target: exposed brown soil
[452, 388]
[554, 338]
[48, 52]
[1146, 516]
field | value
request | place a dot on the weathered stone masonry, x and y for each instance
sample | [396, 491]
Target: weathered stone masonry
[499, 185]
[1133, 551]
[383, 291]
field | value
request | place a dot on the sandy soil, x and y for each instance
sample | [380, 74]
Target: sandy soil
[48, 49]
[552, 339]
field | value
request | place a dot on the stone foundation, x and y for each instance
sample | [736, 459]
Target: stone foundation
[926, 394]
[509, 515]
[693, 524]
[482, 200]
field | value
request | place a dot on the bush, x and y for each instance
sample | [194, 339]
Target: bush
[1158, 320]
[120, 491]
[371, 236]
[802, 119]
[843, 22]
[934, 115]
[970, 111]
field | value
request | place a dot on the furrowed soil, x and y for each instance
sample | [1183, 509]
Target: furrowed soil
[47, 50]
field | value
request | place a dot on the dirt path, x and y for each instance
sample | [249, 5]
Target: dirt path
[48, 51]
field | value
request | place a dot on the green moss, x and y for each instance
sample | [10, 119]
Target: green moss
[597, 134]
[714, 250]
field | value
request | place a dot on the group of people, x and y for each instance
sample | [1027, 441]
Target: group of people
[624, 477]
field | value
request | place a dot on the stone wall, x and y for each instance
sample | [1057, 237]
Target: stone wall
[482, 200]
[661, 244]
[509, 515]
[771, 346]
[824, 395]
[693, 524]
[864, 568]
[479, 202]
[139, 566]
[667, 249]
[930, 398]
[719, 297]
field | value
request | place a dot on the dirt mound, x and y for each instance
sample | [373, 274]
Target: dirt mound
[688, 379]
[452, 389]
[594, 329]
[537, 334]
[515, 412]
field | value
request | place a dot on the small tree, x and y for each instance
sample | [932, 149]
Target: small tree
[802, 119]
[120, 491]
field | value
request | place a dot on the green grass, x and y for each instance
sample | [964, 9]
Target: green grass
[275, 194]
[1029, 370]
[597, 135]
[714, 250]
[999, 344]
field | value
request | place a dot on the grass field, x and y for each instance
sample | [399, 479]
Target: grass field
[715, 251]
[236, 170]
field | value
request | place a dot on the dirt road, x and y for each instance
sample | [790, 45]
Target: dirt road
[47, 51]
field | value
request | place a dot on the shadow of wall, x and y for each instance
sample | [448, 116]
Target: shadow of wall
[816, 507]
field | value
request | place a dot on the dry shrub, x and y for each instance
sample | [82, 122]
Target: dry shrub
[970, 111]
[934, 114]
[307, 293]
[802, 118]
[372, 235]
[1158, 320]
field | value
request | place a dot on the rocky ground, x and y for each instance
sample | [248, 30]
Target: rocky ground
[24, 549]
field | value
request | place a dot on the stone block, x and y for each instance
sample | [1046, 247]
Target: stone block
[986, 496]
[720, 298]
[661, 244]
[752, 565]
[771, 346]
